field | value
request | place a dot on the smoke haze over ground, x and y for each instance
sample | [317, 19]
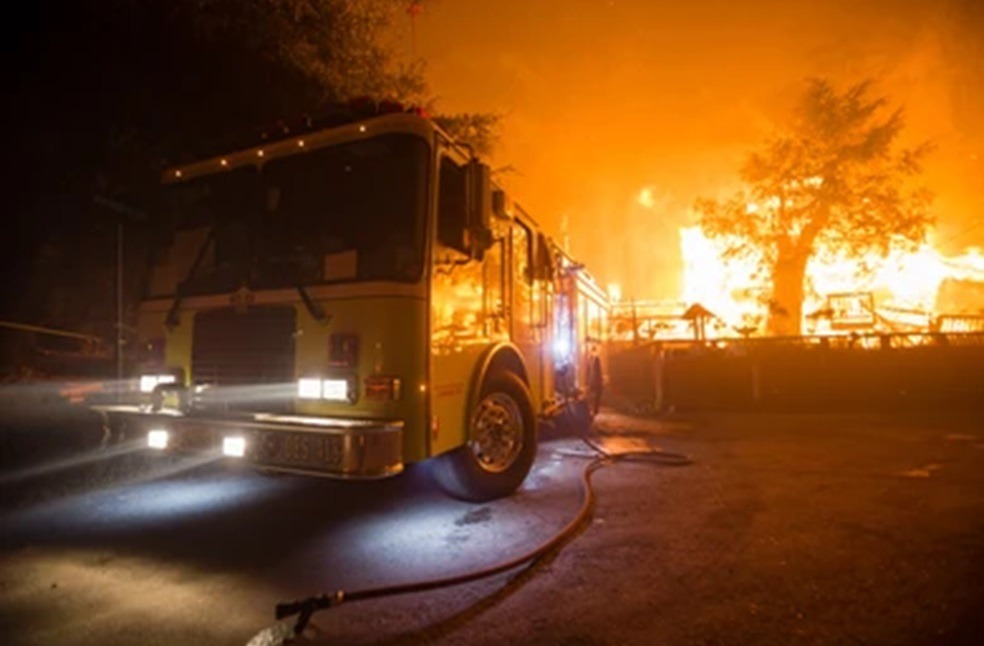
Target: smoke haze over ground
[604, 98]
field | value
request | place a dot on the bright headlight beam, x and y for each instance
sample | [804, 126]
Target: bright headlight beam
[157, 439]
[334, 389]
[308, 388]
[234, 446]
[149, 382]
[562, 348]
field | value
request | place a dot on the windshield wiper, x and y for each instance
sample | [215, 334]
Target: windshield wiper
[313, 307]
[296, 277]
[171, 320]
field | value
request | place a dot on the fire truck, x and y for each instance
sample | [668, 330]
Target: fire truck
[348, 298]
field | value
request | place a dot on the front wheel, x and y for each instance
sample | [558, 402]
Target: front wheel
[501, 443]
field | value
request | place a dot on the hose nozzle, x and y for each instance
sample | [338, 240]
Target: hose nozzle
[304, 608]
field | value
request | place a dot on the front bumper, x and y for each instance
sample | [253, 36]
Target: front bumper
[323, 446]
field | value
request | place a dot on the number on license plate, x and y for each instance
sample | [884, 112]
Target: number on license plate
[311, 449]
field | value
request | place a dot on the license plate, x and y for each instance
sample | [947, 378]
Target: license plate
[303, 450]
[196, 437]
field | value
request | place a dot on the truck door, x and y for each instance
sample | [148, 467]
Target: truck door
[525, 332]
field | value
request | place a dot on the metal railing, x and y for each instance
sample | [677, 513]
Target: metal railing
[889, 370]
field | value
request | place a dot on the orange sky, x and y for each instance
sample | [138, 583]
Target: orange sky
[604, 97]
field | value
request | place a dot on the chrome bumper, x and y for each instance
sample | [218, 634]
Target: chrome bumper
[322, 446]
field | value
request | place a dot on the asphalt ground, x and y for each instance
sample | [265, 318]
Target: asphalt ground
[787, 529]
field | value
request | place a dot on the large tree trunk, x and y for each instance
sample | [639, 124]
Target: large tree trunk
[786, 306]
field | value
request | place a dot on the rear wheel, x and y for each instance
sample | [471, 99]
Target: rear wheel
[501, 443]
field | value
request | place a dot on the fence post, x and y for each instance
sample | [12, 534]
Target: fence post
[658, 358]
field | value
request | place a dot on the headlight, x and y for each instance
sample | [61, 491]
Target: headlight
[234, 446]
[157, 439]
[336, 390]
[149, 382]
[309, 388]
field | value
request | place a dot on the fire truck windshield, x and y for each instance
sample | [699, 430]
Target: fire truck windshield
[345, 213]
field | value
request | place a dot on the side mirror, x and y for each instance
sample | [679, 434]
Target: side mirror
[479, 208]
[479, 241]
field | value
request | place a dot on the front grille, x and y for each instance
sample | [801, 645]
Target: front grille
[245, 357]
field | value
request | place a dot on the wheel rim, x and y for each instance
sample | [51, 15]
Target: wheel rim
[497, 432]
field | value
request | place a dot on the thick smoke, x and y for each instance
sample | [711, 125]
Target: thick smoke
[603, 98]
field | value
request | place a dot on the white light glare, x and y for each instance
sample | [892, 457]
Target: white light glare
[334, 389]
[157, 439]
[309, 388]
[562, 348]
[234, 447]
[149, 382]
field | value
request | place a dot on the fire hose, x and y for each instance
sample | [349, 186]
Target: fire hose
[305, 608]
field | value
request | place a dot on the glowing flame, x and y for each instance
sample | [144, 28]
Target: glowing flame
[614, 292]
[736, 292]
[724, 286]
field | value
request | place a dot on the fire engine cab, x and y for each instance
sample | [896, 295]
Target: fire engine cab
[354, 296]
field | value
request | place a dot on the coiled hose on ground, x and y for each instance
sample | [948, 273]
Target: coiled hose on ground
[599, 457]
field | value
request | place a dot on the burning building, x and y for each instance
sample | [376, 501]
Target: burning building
[907, 291]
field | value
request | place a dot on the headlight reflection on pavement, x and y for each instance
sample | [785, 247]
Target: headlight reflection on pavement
[158, 498]
[81, 459]
[206, 539]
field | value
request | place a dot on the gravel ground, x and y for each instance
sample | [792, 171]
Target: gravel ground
[787, 529]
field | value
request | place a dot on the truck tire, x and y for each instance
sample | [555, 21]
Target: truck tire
[501, 443]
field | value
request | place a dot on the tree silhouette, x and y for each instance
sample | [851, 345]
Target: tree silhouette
[833, 179]
[479, 131]
[106, 94]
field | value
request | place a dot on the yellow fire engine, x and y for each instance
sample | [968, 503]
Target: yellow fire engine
[344, 300]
